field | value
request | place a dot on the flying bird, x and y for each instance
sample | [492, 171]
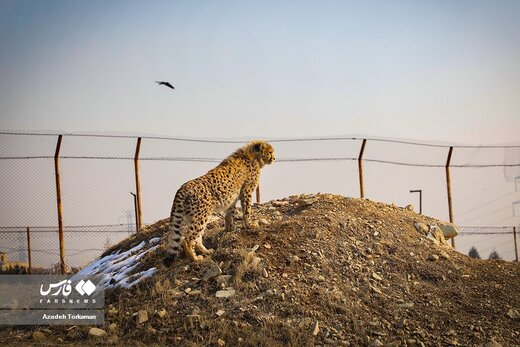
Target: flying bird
[167, 84]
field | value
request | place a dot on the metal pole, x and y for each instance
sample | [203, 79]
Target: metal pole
[135, 209]
[138, 185]
[516, 245]
[420, 198]
[448, 184]
[360, 166]
[258, 193]
[29, 250]
[58, 201]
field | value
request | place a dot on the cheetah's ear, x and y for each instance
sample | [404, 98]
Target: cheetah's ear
[257, 147]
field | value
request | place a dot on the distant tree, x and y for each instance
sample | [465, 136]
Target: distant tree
[473, 253]
[494, 255]
[15, 270]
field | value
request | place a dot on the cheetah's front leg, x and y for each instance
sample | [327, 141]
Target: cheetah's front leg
[245, 202]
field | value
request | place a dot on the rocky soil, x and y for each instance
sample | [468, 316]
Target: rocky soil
[319, 270]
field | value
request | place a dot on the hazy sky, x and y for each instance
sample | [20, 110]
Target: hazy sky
[430, 70]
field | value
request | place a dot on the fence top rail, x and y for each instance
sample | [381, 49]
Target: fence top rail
[239, 141]
[281, 160]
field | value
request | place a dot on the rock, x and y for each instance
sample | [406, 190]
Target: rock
[225, 293]
[431, 238]
[39, 336]
[436, 235]
[212, 272]
[220, 313]
[444, 255]
[409, 208]
[264, 272]
[267, 246]
[449, 230]
[421, 227]
[433, 257]
[377, 277]
[263, 221]
[513, 314]
[255, 247]
[315, 328]
[280, 203]
[112, 326]
[406, 305]
[162, 313]
[142, 316]
[96, 332]
[221, 343]
[375, 343]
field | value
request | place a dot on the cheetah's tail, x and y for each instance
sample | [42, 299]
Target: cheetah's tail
[174, 233]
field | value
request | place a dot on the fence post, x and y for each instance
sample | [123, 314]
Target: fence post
[138, 184]
[516, 245]
[448, 184]
[29, 251]
[258, 193]
[360, 166]
[58, 202]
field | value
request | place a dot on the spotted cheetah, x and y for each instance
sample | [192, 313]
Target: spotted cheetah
[236, 177]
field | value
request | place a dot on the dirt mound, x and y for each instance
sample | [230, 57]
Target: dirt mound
[319, 270]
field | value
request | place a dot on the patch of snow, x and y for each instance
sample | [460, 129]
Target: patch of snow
[117, 266]
[154, 240]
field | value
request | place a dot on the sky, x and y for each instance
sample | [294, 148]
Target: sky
[444, 71]
[435, 71]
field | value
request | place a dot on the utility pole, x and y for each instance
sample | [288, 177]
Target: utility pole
[136, 217]
[420, 198]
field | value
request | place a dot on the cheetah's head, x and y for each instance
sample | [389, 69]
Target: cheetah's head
[263, 152]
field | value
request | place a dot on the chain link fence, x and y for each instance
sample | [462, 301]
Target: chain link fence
[97, 180]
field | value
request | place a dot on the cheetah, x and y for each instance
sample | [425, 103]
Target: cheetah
[236, 177]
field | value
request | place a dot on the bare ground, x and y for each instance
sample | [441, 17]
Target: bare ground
[319, 270]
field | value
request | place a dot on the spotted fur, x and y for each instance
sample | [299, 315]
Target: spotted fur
[236, 177]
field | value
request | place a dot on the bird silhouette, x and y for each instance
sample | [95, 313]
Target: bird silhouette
[167, 84]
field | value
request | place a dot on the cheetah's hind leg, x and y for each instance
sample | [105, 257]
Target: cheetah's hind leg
[229, 220]
[199, 246]
[189, 248]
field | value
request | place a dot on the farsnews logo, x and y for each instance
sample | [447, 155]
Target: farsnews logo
[64, 287]
[85, 287]
[62, 292]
